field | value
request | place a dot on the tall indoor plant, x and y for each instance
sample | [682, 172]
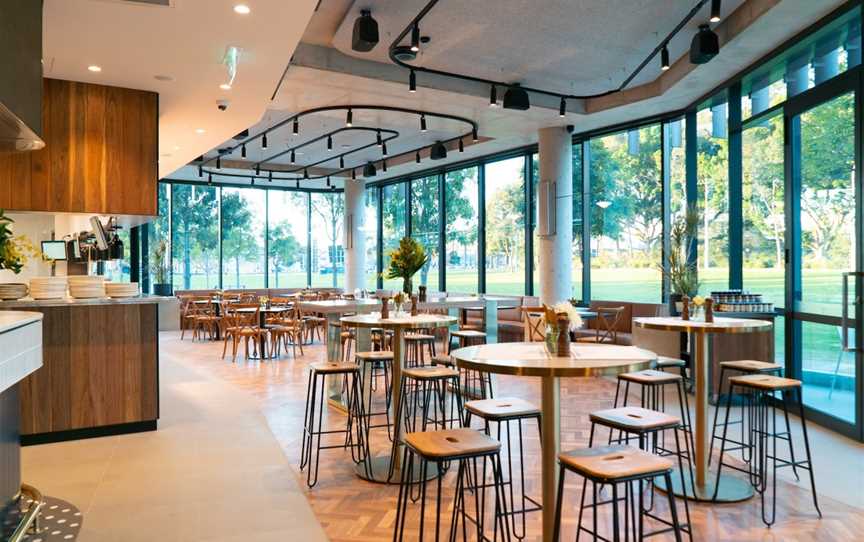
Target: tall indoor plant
[159, 267]
[405, 261]
[680, 270]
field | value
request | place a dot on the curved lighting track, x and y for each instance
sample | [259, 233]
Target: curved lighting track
[428, 7]
[260, 170]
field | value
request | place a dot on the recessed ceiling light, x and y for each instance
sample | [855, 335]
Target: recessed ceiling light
[225, 86]
[94, 68]
[242, 9]
[200, 130]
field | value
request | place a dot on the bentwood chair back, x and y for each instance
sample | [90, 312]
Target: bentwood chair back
[608, 320]
[535, 323]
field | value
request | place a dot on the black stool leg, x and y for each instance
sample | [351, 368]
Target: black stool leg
[559, 498]
[807, 451]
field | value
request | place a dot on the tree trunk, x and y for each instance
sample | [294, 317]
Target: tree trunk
[237, 271]
[187, 260]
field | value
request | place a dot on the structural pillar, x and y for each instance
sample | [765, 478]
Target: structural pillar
[354, 241]
[555, 215]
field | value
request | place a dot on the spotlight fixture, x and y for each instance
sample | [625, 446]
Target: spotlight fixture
[349, 118]
[296, 129]
[474, 137]
[412, 81]
[493, 97]
[384, 148]
[378, 139]
[705, 45]
[305, 173]
[415, 38]
[417, 157]
[242, 9]
[218, 162]
[293, 156]
[341, 162]
[251, 181]
[94, 68]
[210, 178]
[297, 183]
[516, 98]
[461, 145]
[200, 172]
[257, 169]
[562, 108]
[270, 176]
[664, 59]
[264, 141]
[384, 166]
[369, 170]
[365, 36]
[353, 174]
[423, 122]
[330, 143]
[438, 151]
[715, 11]
[243, 151]
[328, 181]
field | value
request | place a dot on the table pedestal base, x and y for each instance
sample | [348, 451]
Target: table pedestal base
[732, 488]
[380, 469]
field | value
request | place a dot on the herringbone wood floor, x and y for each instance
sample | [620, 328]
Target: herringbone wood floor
[351, 509]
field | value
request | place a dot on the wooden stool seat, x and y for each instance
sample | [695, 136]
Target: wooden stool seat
[468, 334]
[765, 382]
[429, 373]
[419, 337]
[443, 359]
[634, 419]
[331, 367]
[379, 355]
[451, 443]
[498, 409]
[650, 376]
[610, 463]
[750, 366]
[666, 362]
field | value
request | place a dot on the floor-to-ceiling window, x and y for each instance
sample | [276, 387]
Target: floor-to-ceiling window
[393, 202]
[286, 242]
[327, 256]
[194, 237]
[425, 223]
[626, 216]
[462, 229]
[505, 226]
[243, 211]
[712, 195]
[370, 233]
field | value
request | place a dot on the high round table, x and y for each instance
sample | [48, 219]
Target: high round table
[533, 360]
[732, 488]
[399, 323]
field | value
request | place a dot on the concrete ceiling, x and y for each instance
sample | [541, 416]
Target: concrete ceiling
[185, 41]
[323, 74]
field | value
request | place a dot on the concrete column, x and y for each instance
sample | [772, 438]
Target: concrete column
[354, 241]
[555, 251]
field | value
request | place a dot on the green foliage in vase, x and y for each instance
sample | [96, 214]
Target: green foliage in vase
[680, 270]
[159, 262]
[405, 261]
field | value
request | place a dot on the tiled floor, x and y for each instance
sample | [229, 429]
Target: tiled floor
[219, 462]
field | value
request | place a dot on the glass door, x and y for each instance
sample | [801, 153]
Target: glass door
[824, 271]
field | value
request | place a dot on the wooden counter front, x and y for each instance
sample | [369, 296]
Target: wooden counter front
[99, 374]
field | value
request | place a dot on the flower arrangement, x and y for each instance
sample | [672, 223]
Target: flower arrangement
[405, 261]
[681, 271]
[561, 318]
[15, 250]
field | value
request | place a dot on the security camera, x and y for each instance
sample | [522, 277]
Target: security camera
[222, 105]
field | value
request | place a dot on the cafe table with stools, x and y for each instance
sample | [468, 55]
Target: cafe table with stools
[531, 359]
[731, 488]
[386, 468]
[262, 323]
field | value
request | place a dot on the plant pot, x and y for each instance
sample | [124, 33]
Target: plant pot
[675, 304]
[166, 290]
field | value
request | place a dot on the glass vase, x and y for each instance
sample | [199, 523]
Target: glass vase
[551, 339]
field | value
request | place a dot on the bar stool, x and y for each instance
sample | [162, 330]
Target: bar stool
[615, 466]
[475, 384]
[414, 343]
[653, 383]
[647, 425]
[380, 362]
[502, 412]
[763, 388]
[664, 362]
[468, 447]
[315, 399]
[466, 337]
[740, 367]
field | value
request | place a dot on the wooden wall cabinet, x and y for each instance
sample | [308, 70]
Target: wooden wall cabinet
[100, 155]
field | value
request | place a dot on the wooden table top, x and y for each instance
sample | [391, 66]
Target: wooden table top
[405, 321]
[719, 325]
[532, 359]
[262, 309]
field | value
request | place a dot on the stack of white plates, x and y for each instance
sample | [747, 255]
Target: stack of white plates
[13, 290]
[85, 286]
[121, 289]
[48, 287]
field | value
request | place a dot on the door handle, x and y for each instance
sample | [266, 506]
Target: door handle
[844, 321]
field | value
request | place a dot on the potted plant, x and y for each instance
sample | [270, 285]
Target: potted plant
[405, 261]
[680, 271]
[159, 266]
[14, 254]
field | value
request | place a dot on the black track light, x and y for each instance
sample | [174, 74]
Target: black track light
[417, 157]
[423, 122]
[200, 171]
[384, 148]
[257, 169]
[264, 141]
[461, 145]
[715, 11]
[341, 162]
[369, 170]
[251, 181]
[297, 183]
[664, 59]
[329, 143]
[415, 38]
[365, 35]
[349, 118]
[210, 178]
[516, 98]
[378, 139]
[705, 45]
[384, 166]
[562, 108]
[270, 176]
[353, 174]
[296, 126]
[328, 181]
[305, 173]
[218, 162]
[293, 156]
[243, 151]
[474, 137]
[438, 152]
[412, 81]
[493, 97]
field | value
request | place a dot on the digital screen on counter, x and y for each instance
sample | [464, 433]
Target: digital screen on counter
[54, 250]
